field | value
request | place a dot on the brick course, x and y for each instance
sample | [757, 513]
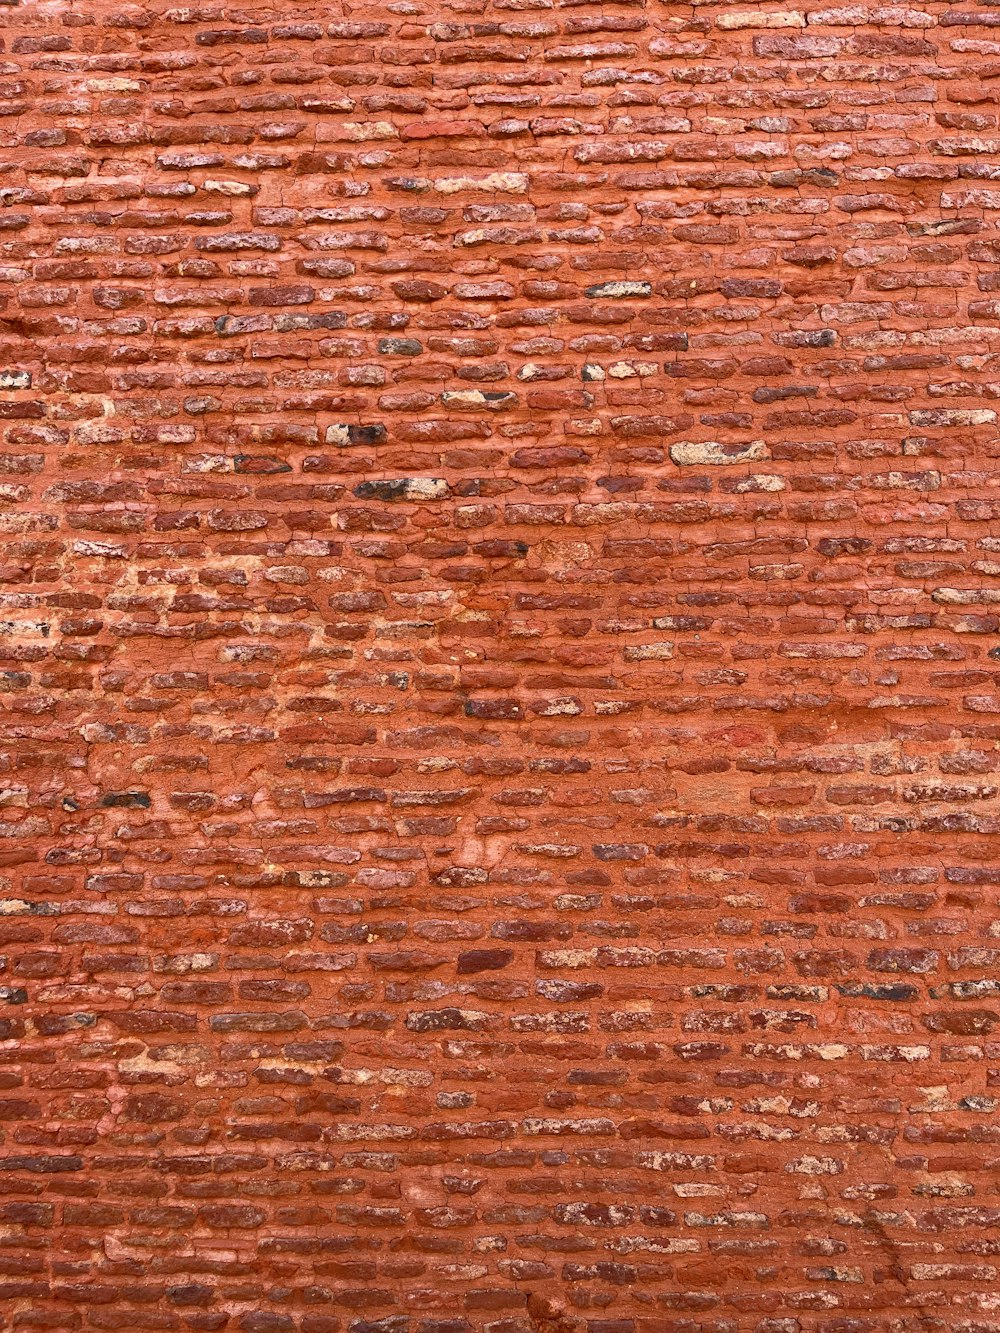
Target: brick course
[500, 705]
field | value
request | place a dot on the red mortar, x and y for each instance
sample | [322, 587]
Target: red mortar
[500, 705]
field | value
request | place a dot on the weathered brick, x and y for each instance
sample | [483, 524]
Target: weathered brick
[499, 702]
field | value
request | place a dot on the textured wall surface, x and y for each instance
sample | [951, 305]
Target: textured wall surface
[499, 718]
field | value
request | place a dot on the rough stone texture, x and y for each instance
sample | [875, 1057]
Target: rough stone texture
[500, 709]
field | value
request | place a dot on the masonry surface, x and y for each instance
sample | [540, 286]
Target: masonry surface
[499, 699]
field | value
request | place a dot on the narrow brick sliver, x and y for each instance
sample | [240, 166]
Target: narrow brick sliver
[500, 696]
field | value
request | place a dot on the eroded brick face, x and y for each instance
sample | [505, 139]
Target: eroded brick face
[500, 706]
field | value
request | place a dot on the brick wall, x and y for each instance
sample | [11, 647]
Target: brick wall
[500, 711]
